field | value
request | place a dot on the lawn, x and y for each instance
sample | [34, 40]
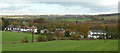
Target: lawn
[58, 45]
[16, 36]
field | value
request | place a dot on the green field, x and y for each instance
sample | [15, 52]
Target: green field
[76, 19]
[58, 45]
[16, 36]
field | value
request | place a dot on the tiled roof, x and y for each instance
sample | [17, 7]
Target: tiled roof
[100, 31]
[33, 27]
[10, 26]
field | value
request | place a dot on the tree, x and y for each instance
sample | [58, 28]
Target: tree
[33, 27]
[32, 35]
[15, 23]
[84, 29]
[103, 27]
[30, 25]
[51, 29]
[58, 33]
[74, 27]
[39, 20]
[67, 33]
[106, 28]
[112, 30]
[5, 23]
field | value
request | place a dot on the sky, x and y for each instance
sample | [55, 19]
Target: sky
[60, 7]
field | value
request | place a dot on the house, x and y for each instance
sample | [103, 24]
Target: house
[34, 29]
[62, 31]
[43, 31]
[25, 29]
[9, 28]
[97, 33]
[82, 36]
[16, 28]
[72, 33]
[21, 29]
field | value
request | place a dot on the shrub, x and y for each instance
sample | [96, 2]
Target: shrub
[75, 37]
[68, 38]
[91, 38]
[41, 38]
[61, 38]
[101, 37]
[67, 33]
[50, 36]
[55, 38]
[22, 41]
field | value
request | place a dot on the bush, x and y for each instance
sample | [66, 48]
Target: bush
[41, 38]
[101, 37]
[75, 37]
[61, 38]
[92, 38]
[67, 33]
[50, 36]
[55, 38]
[22, 41]
[68, 38]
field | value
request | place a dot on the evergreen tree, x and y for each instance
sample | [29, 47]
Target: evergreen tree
[67, 33]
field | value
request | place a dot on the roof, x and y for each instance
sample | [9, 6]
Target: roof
[33, 27]
[44, 30]
[10, 26]
[100, 31]
[59, 29]
[97, 34]
[27, 27]
[18, 26]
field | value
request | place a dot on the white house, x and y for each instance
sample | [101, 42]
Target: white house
[43, 31]
[21, 29]
[97, 33]
[9, 28]
[33, 28]
[82, 36]
[61, 30]
[16, 28]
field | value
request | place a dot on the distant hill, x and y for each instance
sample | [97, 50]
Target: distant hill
[65, 17]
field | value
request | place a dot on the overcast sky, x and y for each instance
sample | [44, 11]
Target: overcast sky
[61, 7]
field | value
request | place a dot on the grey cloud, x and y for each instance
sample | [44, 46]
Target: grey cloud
[13, 7]
[94, 8]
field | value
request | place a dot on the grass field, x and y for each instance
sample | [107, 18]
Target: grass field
[58, 45]
[76, 19]
[16, 36]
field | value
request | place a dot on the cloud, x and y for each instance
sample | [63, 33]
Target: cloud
[39, 7]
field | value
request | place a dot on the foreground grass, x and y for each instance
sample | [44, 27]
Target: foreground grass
[65, 45]
[58, 45]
